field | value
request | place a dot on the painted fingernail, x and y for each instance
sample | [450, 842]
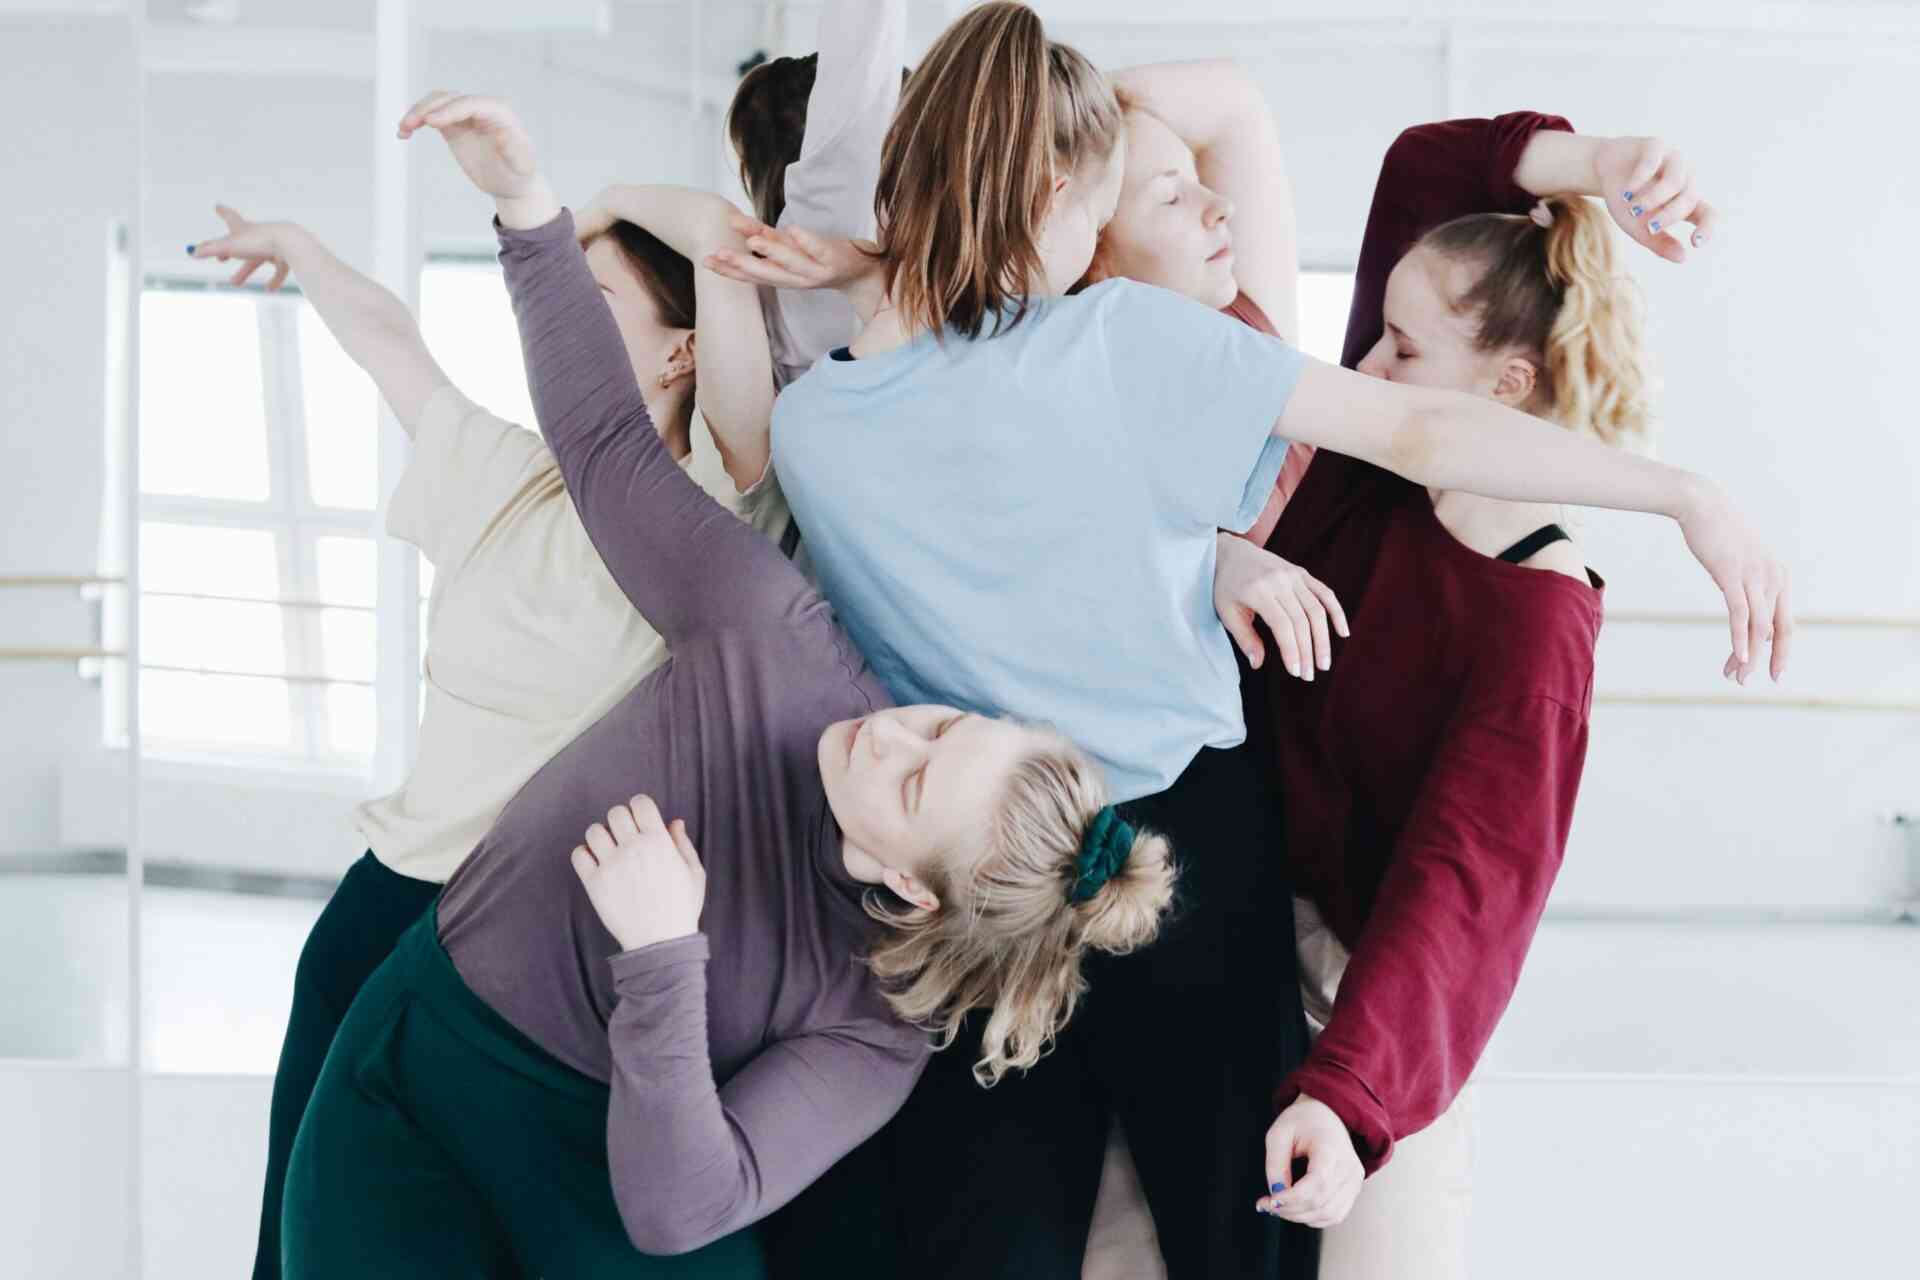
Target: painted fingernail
[1655, 224]
[1699, 238]
[1627, 195]
[1277, 1188]
[1637, 211]
[189, 251]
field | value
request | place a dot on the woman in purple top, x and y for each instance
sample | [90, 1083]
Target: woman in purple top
[593, 1052]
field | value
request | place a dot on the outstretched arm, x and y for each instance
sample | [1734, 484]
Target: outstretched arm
[736, 371]
[664, 540]
[1217, 109]
[372, 326]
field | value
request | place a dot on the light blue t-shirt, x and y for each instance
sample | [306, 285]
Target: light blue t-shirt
[1025, 523]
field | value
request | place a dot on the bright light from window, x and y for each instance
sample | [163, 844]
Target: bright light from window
[1325, 297]
[468, 324]
[203, 417]
[341, 421]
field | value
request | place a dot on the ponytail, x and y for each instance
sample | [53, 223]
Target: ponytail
[1017, 916]
[993, 114]
[1551, 285]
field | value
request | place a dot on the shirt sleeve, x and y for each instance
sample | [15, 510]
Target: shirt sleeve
[467, 468]
[830, 187]
[1442, 949]
[1199, 393]
[692, 1162]
[683, 560]
[1432, 174]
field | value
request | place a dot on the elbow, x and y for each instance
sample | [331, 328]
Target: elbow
[660, 1235]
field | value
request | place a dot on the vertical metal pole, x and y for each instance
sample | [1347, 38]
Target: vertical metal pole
[396, 264]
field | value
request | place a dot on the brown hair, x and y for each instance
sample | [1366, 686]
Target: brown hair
[1008, 938]
[667, 275]
[1558, 293]
[993, 115]
[766, 123]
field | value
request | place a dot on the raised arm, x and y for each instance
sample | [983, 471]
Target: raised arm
[736, 370]
[829, 189]
[372, 326]
[1217, 109]
[685, 562]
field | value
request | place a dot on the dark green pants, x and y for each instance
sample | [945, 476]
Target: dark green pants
[442, 1142]
[362, 922]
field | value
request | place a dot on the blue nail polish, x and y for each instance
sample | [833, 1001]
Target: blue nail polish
[1636, 211]
[1278, 1187]
[189, 251]
[1627, 195]
[1655, 224]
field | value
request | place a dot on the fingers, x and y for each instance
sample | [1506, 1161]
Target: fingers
[1281, 1139]
[1669, 181]
[584, 863]
[219, 248]
[1319, 1200]
[1332, 605]
[1316, 615]
[600, 842]
[1737, 619]
[279, 276]
[417, 114]
[1663, 219]
[782, 252]
[752, 270]
[1239, 625]
[230, 216]
[684, 844]
[646, 814]
[1706, 222]
[1782, 634]
[1652, 156]
[245, 272]
[620, 822]
[1291, 634]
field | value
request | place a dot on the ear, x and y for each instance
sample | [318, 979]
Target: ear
[680, 360]
[909, 886]
[1516, 383]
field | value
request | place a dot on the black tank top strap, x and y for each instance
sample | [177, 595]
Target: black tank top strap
[1531, 545]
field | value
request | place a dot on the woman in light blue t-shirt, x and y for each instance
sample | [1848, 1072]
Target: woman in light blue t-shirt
[1012, 498]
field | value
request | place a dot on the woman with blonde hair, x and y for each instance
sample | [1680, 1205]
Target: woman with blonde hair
[590, 1057]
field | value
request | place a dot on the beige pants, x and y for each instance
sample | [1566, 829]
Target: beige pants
[1410, 1222]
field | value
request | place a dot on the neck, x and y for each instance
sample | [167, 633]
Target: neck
[671, 409]
[887, 330]
[1490, 525]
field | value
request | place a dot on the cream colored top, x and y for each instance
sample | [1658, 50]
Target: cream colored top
[529, 639]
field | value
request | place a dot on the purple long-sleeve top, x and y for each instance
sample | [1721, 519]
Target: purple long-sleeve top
[745, 1059]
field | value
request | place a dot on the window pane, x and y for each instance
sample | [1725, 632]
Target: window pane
[350, 719]
[216, 635]
[346, 644]
[347, 571]
[203, 415]
[342, 457]
[200, 558]
[214, 711]
[1325, 297]
[468, 325]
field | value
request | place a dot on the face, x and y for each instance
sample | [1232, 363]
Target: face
[658, 351]
[908, 783]
[1167, 228]
[1425, 344]
[1082, 207]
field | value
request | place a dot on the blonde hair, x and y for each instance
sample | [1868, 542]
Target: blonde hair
[992, 115]
[1007, 938]
[1558, 292]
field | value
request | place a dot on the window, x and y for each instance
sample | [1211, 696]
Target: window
[468, 324]
[258, 483]
[1325, 297]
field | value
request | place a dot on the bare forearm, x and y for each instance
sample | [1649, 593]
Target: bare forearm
[371, 325]
[690, 222]
[1560, 163]
[1458, 441]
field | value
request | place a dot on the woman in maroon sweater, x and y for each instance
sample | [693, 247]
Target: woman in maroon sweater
[1430, 775]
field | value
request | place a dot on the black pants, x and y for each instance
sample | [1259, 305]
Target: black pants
[355, 933]
[1183, 1042]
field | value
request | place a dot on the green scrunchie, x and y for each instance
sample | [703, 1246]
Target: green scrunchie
[1104, 848]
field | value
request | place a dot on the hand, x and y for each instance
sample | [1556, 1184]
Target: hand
[642, 876]
[486, 138]
[1649, 190]
[1309, 1130]
[1249, 581]
[1753, 581]
[256, 244]
[794, 258]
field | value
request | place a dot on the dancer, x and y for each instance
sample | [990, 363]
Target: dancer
[531, 640]
[1040, 421]
[541, 1089]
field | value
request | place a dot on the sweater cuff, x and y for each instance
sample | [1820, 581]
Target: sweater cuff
[641, 961]
[1350, 1098]
[558, 227]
